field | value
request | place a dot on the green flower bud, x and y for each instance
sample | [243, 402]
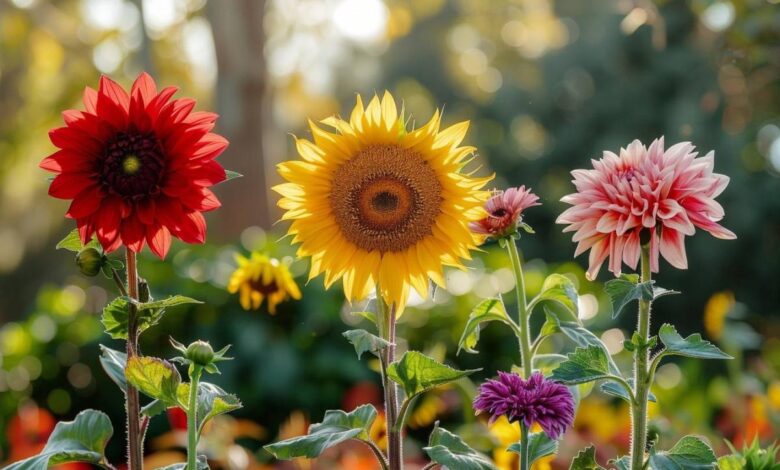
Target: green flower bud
[90, 261]
[200, 353]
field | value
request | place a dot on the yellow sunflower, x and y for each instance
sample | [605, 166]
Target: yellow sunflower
[375, 204]
[258, 278]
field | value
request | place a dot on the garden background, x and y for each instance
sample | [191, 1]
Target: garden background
[546, 84]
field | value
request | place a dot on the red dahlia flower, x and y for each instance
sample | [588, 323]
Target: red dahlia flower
[138, 167]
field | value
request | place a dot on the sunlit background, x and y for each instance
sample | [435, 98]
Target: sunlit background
[546, 84]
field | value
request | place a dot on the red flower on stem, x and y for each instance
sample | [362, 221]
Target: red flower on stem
[137, 167]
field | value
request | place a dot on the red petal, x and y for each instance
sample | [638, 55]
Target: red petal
[200, 199]
[69, 185]
[159, 239]
[133, 233]
[71, 116]
[86, 203]
[74, 139]
[90, 100]
[193, 228]
[181, 109]
[114, 91]
[144, 87]
[210, 146]
[145, 211]
[86, 229]
[201, 117]
[112, 103]
[107, 222]
[66, 161]
[157, 103]
[207, 175]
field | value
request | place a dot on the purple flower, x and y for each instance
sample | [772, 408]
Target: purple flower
[536, 400]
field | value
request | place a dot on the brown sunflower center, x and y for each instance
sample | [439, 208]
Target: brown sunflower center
[265, 289]
[385, 198]
[132, 166]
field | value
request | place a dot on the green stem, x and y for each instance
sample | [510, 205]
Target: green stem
[522, 311]
[192, 419]
[132, 400]
[641, 374]
[523, 446]
[386, 320]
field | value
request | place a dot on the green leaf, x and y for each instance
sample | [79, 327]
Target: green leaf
[623, 463]
[547, 362]
[171, 301]
[586, 460]
[212, 401]
[560, 289]
[335, 428]
[692, 346]
[617, 390]
[416, 373]
[114, 363]
[580, 335]
[485, 311]
[116, 313]
[363, 341]
[730, 462]
[229, 175]
[154, 377]
[202, 464]
[81, 440]
[449, 450]
[539, 445]
[72, 242]
[583, 365]
[690, 453]
[154, 408]
[370, 316]
[626, 289]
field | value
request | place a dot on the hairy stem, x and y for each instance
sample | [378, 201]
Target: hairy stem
[387, 332]
[192, 420]
[641, 374]
[523, 446]
[133, 405]
[522, 311]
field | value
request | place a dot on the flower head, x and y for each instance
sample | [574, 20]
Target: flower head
[373, 203]
[258, 278]
[644, 194]
[136, 166]
[536, 400]
[505, 212]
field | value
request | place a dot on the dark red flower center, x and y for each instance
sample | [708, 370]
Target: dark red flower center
[132, 166]
[500, 213]
[265, 289]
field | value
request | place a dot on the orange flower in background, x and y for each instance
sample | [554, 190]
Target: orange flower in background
[137, 167]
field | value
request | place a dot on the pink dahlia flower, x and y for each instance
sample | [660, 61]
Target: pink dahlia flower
[666, 194]
[504, 210]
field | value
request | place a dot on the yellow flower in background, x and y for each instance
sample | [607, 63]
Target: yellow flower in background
[372, 203]
[715, 312]
[258, 278]
[506, 434]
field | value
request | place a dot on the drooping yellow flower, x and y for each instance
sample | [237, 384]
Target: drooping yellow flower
[715, 312]
[372, 203]
[258, 278]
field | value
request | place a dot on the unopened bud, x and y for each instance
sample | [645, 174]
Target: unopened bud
[90, 261]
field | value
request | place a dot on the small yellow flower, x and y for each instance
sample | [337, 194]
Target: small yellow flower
[258, 278]
[506, 434]
[715, 312]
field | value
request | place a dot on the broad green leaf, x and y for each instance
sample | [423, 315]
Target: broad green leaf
[560, 289]
[626, 289]
[580, 335]
[547, 362]
[363, 341]
[623, 463]
[335, 428]
[416, 373]
[583, 365]
[154, 408]
[171, 301]
[116, 313]
[370, 316]
[539, 445]
[586, 460]
[449, 450]
[72, 242]
[692, 346]
[202, 464]
[212, 401]
[154, 377]
[114, 363]
[485, 311]
[81, 440]
[616, 390]
[690, 453]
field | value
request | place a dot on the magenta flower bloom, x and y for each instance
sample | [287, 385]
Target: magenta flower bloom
[536, 400]
[504, 210]
[665, 194]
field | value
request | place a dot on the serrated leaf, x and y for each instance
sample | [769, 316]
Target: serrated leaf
[690, 453]
[581, 336]
[72, 242]
[82, 440]
[486, 311]
[692, 346]
[586, 460]
[561, 290]
[616, 390]
[212, 401]
[583, 365]
[335, 428]
[547, 362]
[363, 341]
[449, 450]
[539, 445]
[202, 464]
[626, 289]
[171, 301]
[114, 363]
[416, 373]
[623, 463]
[154, 377]
[116, 314]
